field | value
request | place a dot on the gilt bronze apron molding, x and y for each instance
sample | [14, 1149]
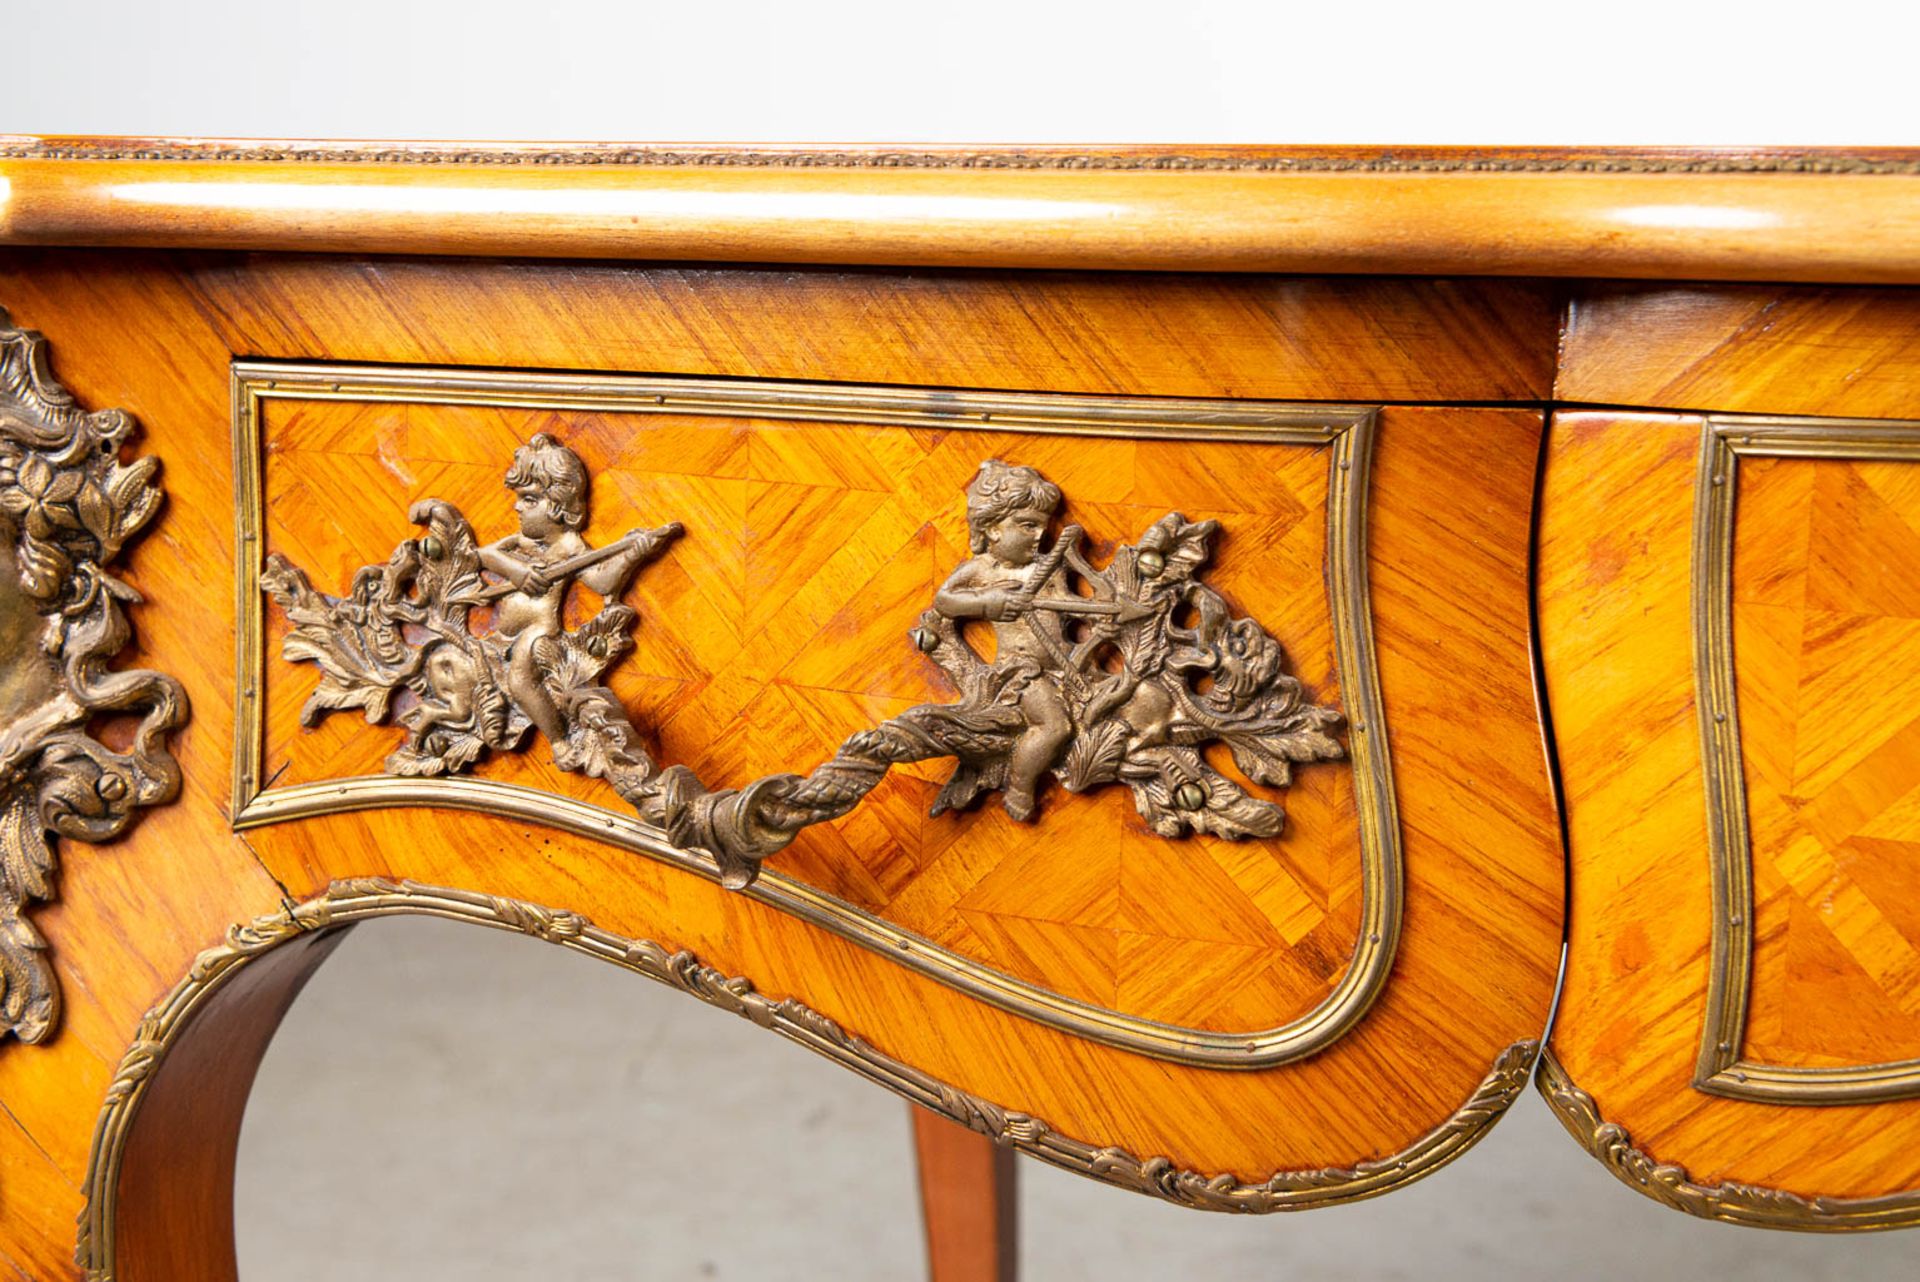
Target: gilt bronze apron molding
[345, 903]
[1721, 1070]
[1094, 686]
[1754, 1205]
[68, 505]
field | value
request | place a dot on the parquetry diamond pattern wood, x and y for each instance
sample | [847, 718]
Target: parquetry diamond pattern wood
[777, 626]
[1827, 658]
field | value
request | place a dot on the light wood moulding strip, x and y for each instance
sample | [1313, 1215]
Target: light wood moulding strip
[1665, 216]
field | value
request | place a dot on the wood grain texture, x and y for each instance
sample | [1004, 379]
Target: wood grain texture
[1616, 643]
[1170, 335]
[1827, 630]
[175, 1193]
[968, 1201]
[1493, 214]
[1449, 540]
[1744, 348]
[777, 627]
[181, 863]
[1426, 699]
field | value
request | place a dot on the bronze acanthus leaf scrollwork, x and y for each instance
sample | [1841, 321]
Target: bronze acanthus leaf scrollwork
[400, 642]
[1094, 688]
[68, 505]
[1125, 683]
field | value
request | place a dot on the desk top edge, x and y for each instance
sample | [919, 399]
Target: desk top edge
[1843, 216]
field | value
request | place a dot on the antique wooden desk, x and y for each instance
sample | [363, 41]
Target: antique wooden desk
[1069, 636]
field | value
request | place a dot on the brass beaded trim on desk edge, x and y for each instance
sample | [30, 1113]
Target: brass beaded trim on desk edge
[1720, 1069]
[1346, 432]
[345, 903]
[1394, 160]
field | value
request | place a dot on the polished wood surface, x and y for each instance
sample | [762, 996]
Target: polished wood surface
[1744, 349]
[1415, 608]
[1827, 625]
[1732, 216]
[175, 1192]
[1275, 338]
[969, 1201]
[777, 627]
[169, 880]
[1448, 546]
[1616, 636]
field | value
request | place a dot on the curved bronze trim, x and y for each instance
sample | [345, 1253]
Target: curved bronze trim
[1720, 1070]
[351, 901]
[1243, 159]
[1345, 431]
[1670, 1185]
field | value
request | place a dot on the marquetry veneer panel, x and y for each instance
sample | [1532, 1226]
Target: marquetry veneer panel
[1624, 600]
[1447, 544]
[777, 626]
[1826, 617]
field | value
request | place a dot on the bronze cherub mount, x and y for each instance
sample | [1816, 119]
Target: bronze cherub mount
[403, 629]
[1125, 682]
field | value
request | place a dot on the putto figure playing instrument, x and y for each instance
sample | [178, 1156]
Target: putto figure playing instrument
[401, 637]
[550, 487]
[1008, 510]
[1111, 699]
[1115, 703]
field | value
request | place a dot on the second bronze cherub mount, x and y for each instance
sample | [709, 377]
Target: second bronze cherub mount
[1108, 685]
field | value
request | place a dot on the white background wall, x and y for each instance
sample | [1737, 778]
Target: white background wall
[1610, 71]
[460, 1104]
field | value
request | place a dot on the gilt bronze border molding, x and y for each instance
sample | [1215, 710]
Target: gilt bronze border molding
[1749, 1204]
[1224, 159]
[345, 903]
[1346, 433]
[1720, 1069]
[68, 506]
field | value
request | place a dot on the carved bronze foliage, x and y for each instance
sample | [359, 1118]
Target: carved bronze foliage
[1116, 674]
[68, 505]
[1099, 687]
[400, 642]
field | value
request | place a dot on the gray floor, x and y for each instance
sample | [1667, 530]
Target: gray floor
[446, 1102]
